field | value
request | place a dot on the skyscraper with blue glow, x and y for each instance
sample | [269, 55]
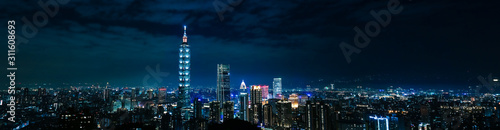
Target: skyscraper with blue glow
[277, 88]
[223, 88]
[184, 76]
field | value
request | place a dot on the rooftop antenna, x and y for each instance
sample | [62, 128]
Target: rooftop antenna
[184, 38]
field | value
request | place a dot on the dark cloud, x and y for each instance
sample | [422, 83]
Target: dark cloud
[98, 41]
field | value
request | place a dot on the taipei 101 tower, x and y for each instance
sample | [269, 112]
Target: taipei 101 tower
[184, 74]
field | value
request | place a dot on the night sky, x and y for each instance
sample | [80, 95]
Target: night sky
[445, 42]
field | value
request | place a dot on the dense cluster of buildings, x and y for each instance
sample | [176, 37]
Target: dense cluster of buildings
[107, 107]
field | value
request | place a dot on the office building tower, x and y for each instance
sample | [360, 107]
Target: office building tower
[391, 122]
[243, 106]
[255, 112]
[381, 123]
[223, 93]
[184, 74]
[284, 109]
[162, 95]
[215, 113]
[268, 116]
[228, 110]
[177, 122]
[205, 112]
[106, 92]
[265, 91]
[277, 88]
[198, 108]
[317, 117]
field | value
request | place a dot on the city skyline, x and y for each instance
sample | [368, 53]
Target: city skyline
[240, 64]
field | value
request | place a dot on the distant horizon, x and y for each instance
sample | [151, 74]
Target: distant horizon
[436, 86]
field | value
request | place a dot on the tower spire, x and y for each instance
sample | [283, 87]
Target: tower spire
[184, 38]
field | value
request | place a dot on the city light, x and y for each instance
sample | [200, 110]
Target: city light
[385, 122]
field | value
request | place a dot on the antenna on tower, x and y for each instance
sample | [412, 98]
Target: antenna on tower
[185, 30]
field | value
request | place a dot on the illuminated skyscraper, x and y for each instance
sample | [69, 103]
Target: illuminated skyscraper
[184, 76]
[243, 106]
[255, 112]
[265, 91]
[317, 115]
[106, 92]
[223, 93]
[284, 114]
[268, 116]
[382, 122]
[276, 87]
[198, 108]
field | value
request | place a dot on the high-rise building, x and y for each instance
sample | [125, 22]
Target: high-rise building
[162, 95]
[228, 110]
[215, 114]
[268, 115]
[223, 93]
[265, 91]
[381, 123]
[386, 123]
[198, 108]
[284, 114]
[255, 112]
[317, 117]
[205, 112]
[276, 88]
[184, 74]
[106, 92]
[243, 106]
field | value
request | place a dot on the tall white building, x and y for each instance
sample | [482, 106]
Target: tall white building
[243, 87]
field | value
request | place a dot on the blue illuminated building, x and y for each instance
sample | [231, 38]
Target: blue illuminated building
[184, 76]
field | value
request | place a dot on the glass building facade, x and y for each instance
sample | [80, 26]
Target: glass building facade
[223, 93]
